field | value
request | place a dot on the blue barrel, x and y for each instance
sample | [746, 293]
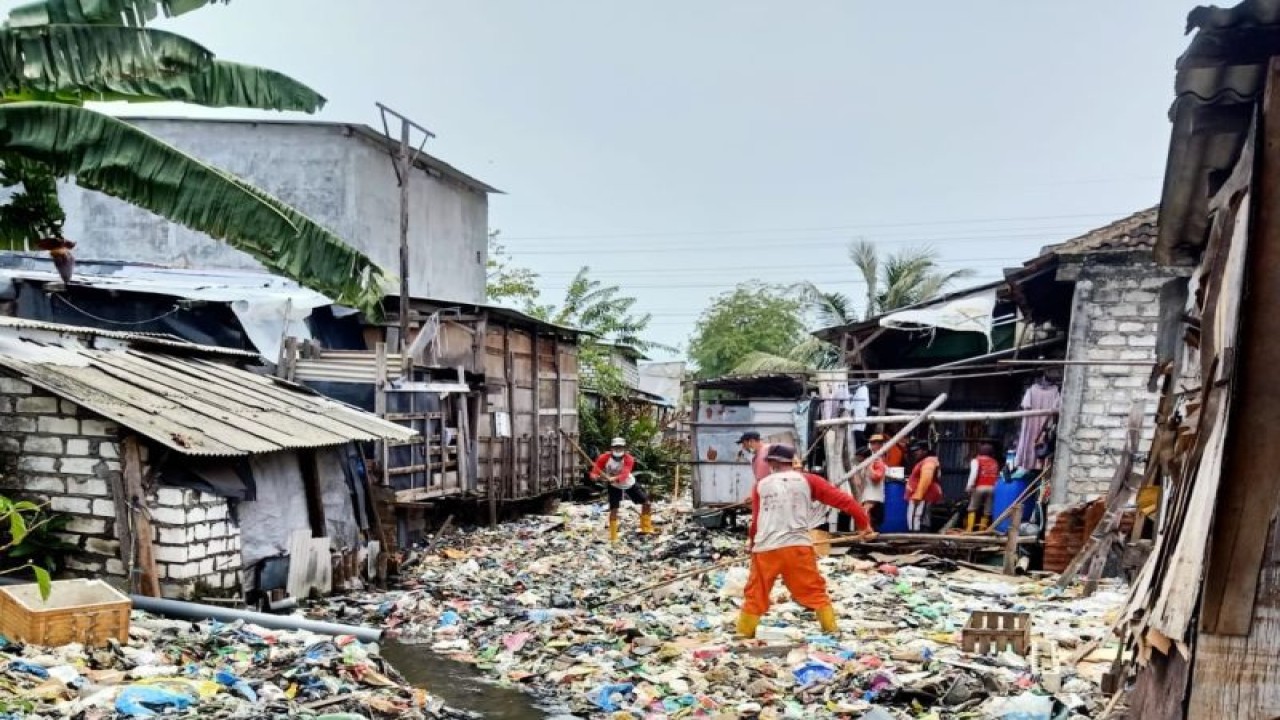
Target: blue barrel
[895, 507]
[1007, 491]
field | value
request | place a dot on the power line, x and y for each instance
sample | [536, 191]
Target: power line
[788, 243]
[850, 269]
[837, 228]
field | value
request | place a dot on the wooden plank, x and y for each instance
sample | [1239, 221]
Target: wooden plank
[509, 371]
[380, 407]
[559, 408]
[131, 466]
[1239, 676]
[535, 448]
[1250, 484]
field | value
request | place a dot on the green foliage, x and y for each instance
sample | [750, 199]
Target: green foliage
[506, 283]
[753, 318]
[28, 543]
[601, 421]
[607, 315]
[56, 55]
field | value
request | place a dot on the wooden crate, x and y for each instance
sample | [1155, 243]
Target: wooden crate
[89, 612]
[993, 632]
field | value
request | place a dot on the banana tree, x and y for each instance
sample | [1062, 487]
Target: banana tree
[59, 54]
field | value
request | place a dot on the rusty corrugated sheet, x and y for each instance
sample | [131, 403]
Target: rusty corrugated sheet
[193, 405]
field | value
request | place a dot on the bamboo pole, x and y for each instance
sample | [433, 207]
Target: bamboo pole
[939, 417]
[906, 538]
[924, 414]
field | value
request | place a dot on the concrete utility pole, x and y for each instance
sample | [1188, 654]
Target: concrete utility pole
[403, 163]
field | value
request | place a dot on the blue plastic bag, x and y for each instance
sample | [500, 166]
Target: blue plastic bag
[29, 668]
[603, 696]
[227, 678]
[145, 700]
[812, 672]
[449, 619]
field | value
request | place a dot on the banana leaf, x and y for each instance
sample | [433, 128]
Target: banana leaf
[135, 13]
[84, 63]
[110, 156]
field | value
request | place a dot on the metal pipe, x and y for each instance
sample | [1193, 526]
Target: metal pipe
[195, 611]
[937, 417]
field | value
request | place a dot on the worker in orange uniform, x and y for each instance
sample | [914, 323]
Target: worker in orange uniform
[984, 470]
[924, 488]
[779, 541]
[895, 456]
[616, 466]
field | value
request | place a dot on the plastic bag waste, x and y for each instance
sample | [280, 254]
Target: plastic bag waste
[735, 583]
[145, 701]
[812, 672]
[609, 697]
[1027, 706]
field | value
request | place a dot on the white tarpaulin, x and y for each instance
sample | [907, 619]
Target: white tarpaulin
[972, 313]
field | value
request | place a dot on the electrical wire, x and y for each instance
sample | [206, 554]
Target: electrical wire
[130, 323]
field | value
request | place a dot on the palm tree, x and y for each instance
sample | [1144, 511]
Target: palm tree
[57, 55]
[904, 278]
[901, 279]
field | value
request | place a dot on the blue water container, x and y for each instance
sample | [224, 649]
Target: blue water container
[1007, 491]
[895, 507]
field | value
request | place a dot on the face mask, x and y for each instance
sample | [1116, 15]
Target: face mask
[619, 453]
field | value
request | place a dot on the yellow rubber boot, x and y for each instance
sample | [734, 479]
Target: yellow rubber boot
[747, 625]
[982, 524]
[646, 524]
[827, 620]
[968, 522]
[613, 532]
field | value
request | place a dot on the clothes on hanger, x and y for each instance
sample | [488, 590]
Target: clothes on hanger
[1040, 395]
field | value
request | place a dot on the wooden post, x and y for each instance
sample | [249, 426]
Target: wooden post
[380, 407]
[1011, 542]
[560, 466]
[131, 465]
[535, 446]
[310, 466]
[405, 168]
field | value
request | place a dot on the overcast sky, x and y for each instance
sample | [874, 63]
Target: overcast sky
[680, 147]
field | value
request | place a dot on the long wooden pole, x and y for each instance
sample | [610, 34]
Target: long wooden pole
[847, 540]
[940, 417]
[905, 431]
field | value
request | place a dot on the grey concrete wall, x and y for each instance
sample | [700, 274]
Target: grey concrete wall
[1115, 317]
[341, 180]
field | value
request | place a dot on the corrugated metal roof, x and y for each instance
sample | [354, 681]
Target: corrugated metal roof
[1220, 79]
[193, 405]
[1135, 232]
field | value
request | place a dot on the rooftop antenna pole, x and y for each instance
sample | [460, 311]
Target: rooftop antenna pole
[403, 161]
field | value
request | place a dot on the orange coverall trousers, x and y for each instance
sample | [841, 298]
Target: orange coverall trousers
[798, 566]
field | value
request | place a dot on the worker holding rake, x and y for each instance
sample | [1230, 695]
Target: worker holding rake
[616, 467]
[780, 543]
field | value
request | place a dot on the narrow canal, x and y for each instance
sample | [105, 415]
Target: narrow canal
[459, 684]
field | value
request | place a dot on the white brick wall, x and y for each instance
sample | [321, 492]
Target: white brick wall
[64, 455]
[1114, 318]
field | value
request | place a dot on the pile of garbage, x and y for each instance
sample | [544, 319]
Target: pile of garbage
[212, 670]
[540, 603]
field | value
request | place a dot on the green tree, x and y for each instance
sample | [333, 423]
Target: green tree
[57, 55]
[506, 283]
[753, 318]
[907, 277]
[900, 279]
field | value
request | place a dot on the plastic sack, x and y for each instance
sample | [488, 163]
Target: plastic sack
[229, 679]
[735, 583]
[29, 668]
[144, 701]
[1027, 706]
[812, 672]
[603, 697]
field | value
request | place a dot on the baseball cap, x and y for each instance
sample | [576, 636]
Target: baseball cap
[749, 435]
[781, 453]
[877, 438]
[920, 445]
[618, 442]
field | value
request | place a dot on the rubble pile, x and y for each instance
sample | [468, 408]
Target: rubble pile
[527, 604]
[209, 670]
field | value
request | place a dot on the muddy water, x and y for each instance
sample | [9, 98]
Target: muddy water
[459, 684]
